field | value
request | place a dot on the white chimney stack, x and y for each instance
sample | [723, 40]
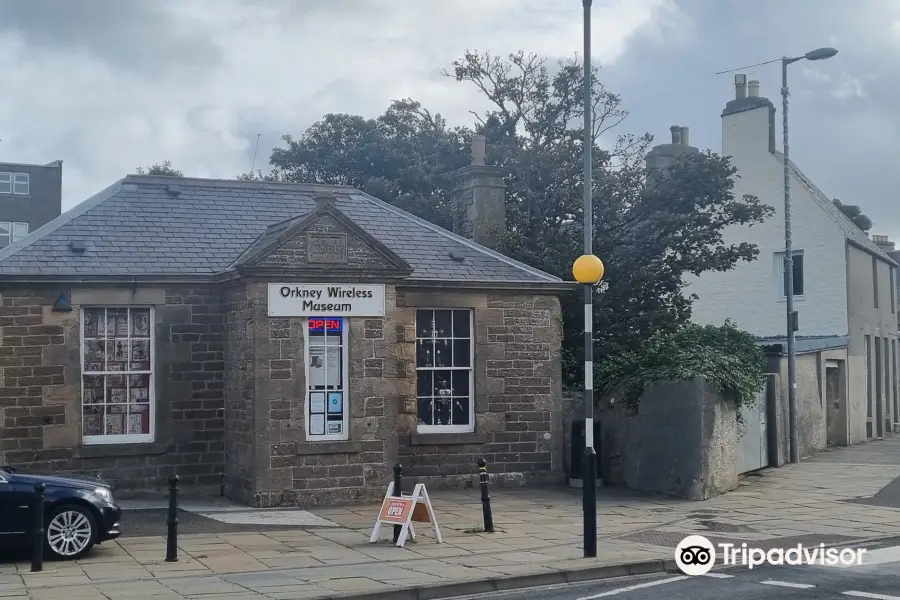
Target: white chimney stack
[754, 88]
[685, 136]
[740, 87]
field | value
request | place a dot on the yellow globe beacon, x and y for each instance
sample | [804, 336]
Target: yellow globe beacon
[588, 269]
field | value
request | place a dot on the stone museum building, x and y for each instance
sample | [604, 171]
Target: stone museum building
[285, 343]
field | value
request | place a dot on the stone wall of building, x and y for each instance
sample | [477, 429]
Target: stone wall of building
[291, 471]
[40, 387]
[518, 392]
[239, 438]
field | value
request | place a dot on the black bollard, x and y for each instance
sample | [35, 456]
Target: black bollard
[398, 493]
[485, 498]
[37, 550]
[172, 537]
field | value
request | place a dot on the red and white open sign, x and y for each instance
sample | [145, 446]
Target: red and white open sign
[403, 511]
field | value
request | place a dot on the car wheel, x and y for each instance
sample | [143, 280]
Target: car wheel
[71, 532]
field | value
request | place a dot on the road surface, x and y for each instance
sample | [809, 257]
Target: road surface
[878, 578]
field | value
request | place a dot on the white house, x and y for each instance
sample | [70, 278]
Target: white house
[845, 292]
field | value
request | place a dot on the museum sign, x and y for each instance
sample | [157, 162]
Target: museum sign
[326, 300]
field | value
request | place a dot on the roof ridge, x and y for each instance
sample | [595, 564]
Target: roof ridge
[457, 238]
[239, 183]
[848, 228]
[66, 217]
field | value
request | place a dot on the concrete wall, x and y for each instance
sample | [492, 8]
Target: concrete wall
[879, 322]
[750, 294]
[681, 442]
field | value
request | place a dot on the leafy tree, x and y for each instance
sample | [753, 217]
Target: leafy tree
[855, 214]
[163, 168]
[648, 236]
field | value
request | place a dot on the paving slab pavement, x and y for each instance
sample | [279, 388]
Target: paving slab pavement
[538, 538]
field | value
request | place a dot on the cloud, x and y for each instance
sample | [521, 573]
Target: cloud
[109, 85]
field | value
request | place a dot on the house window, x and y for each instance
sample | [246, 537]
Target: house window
[444, 350]
[875, 279]
[326, 375]
[118, 401]
[6, 183]
[12, 232]
[21, 184]
[893, 283]
[780, 268]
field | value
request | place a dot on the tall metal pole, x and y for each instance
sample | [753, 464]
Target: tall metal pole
[589, 478]
[789, 270]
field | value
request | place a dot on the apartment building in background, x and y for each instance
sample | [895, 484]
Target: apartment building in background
[30, 196]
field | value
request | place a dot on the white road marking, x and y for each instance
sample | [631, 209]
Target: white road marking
[788, 584]
[874, 557]
[632, 588]
[717, 575]
[870, 595]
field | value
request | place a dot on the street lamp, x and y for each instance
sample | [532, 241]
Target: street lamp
[792, 321]
[588, 270]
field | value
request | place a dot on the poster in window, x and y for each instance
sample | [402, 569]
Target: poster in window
[117, 396]
[140, 323]
[120, 352]
[335, 403]
[115, 424]
[317, 424]
[92, 396]
[333, 365]
[95, 351]
[316, 367]
[94, 366]
[140, 395]
[93, 421]
[335, 427]
[92, 321]
[317, 402]
[140, 352]
[121, 323]
[138, 423]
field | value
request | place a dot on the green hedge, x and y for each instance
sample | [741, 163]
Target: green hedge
[726, 357]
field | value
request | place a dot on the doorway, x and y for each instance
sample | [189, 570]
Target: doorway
[835, 403]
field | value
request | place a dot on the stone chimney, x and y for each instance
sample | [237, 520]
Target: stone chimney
[665, 155]
[479, 200]
[748, 121]
[883, 242]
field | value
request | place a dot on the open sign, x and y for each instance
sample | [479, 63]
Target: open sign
[320, 325]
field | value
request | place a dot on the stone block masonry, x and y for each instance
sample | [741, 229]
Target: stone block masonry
[518, 394]
[40, 387]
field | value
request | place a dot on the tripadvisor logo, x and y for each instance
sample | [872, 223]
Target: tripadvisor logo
[696, 555]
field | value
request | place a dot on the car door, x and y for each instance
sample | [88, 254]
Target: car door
[15, 509]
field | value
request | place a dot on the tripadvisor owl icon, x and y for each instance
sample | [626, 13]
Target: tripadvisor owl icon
[695, 555]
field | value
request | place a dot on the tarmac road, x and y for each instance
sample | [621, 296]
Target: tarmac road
[878, 578]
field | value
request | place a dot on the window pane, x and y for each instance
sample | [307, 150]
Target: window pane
[798, 275]
[20, 183]
[424, 324]
[443, 323]
[442, 384]
[461, 326]
[460, 383]
[460, 412]
[426, 411]
[5, 228]
[94, 355]
[140, 354]
[20, 230]
[93, 389]
[94, 323]
[94, 417]
[140, 323]
[461, 353]
[424, 353]
[5, 183]
[443, 353]
[424, 383]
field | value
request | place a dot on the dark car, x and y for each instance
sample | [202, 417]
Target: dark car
[79, 512]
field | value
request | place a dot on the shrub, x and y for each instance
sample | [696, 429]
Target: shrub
[726, 357]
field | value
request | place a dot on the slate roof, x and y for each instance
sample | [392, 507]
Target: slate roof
[853, 233]
[164, 226]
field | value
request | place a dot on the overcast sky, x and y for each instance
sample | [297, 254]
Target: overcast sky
[107, 85]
